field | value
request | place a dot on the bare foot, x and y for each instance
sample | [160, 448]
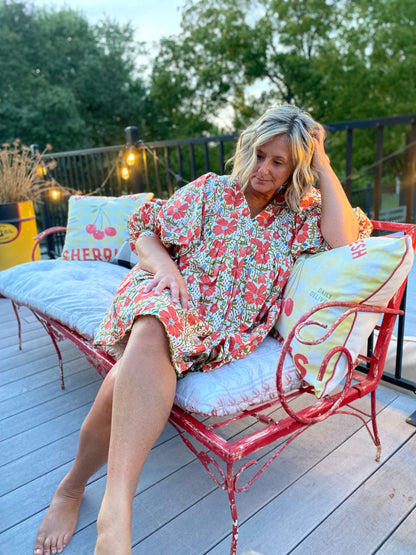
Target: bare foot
[60, 521]
[114, 530]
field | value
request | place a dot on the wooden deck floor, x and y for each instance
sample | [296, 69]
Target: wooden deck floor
[324, 495]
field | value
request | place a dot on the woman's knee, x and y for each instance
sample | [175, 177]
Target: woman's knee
[149, 333]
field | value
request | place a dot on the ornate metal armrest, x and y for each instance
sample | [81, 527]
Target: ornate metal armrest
[44, 234]
[306, 320]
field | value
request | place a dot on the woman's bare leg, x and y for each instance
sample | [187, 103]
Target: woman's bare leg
[61, 519]
[144, 391]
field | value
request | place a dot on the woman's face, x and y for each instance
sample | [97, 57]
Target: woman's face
[274, 166]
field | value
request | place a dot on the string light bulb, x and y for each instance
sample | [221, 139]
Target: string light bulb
[55, 194]
[41, 171]
[125, 172]
[131, 158]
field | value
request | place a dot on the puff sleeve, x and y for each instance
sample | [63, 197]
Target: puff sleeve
[307, 226]
[178, 221]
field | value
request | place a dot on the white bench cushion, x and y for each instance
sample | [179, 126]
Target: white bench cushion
[74, 293]
[77, 295]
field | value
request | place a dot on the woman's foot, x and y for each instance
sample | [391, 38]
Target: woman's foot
[60, 521]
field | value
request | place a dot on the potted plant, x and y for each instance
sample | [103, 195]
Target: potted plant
[23, 181]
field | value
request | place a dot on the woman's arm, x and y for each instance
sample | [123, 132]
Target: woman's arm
[339, 225]
[155, 258]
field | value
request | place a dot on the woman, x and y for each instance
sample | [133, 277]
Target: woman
[213, 262]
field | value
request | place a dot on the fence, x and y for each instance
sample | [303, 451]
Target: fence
[384, 184]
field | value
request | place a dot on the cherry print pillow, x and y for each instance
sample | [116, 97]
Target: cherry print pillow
[368, 271]
[97, 226]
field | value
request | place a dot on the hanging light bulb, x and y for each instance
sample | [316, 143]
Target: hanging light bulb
[55, 194]
[125, 172]
[131, 158]
[41, 171]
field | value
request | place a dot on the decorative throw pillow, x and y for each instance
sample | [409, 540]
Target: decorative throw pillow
[368, 271]
[97, 226]
[125, 256]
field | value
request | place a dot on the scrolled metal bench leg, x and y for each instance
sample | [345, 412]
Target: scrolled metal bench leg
[19, 325]
[233, 507]
[55, 337]
[374, 423]
[58, 352]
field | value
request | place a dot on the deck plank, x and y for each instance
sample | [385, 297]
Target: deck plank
[403, 540]
[372, 512]
[177, 508]
[45, 359]
[40, 413]
[295, 513]
[212, 513]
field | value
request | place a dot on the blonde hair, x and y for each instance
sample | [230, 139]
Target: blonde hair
[300, 128]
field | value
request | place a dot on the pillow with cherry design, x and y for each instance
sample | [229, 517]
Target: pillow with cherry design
[97, 226]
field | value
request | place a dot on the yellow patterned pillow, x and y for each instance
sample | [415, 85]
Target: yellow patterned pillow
[368, 271]
[97, 226]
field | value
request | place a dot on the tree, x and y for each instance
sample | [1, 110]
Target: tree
[344, 59]
[339, 59]
[175, 107]
[65, 81]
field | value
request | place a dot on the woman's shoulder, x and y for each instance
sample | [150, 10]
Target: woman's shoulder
[311, 199]
[212, 183]
[208, 188]
[209, 179]
[216, 180]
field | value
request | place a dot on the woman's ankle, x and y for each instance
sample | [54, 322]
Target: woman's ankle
[114, 527]
[72, 486]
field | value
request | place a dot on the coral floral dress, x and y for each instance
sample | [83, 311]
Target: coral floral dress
[235, 268]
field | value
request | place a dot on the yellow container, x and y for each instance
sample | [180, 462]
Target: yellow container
[17, 232]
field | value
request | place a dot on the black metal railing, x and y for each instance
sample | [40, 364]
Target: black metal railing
[382, 180]
[407, 123]
[383, 183]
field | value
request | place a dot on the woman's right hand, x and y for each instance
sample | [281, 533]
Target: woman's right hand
[320, 160]
[169, 277]
[155, 258]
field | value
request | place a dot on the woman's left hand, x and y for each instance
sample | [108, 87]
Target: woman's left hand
[339, 225]
[320, 158]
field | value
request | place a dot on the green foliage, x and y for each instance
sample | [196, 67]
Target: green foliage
[65, 81]
[342, 60]
[74, 84]
[339, 59]
[175, 108]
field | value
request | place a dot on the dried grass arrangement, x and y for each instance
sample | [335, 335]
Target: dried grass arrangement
[22, 177]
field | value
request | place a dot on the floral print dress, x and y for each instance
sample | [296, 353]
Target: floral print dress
[235, 268]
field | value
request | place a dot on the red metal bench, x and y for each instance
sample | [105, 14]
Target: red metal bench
[222, 457]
